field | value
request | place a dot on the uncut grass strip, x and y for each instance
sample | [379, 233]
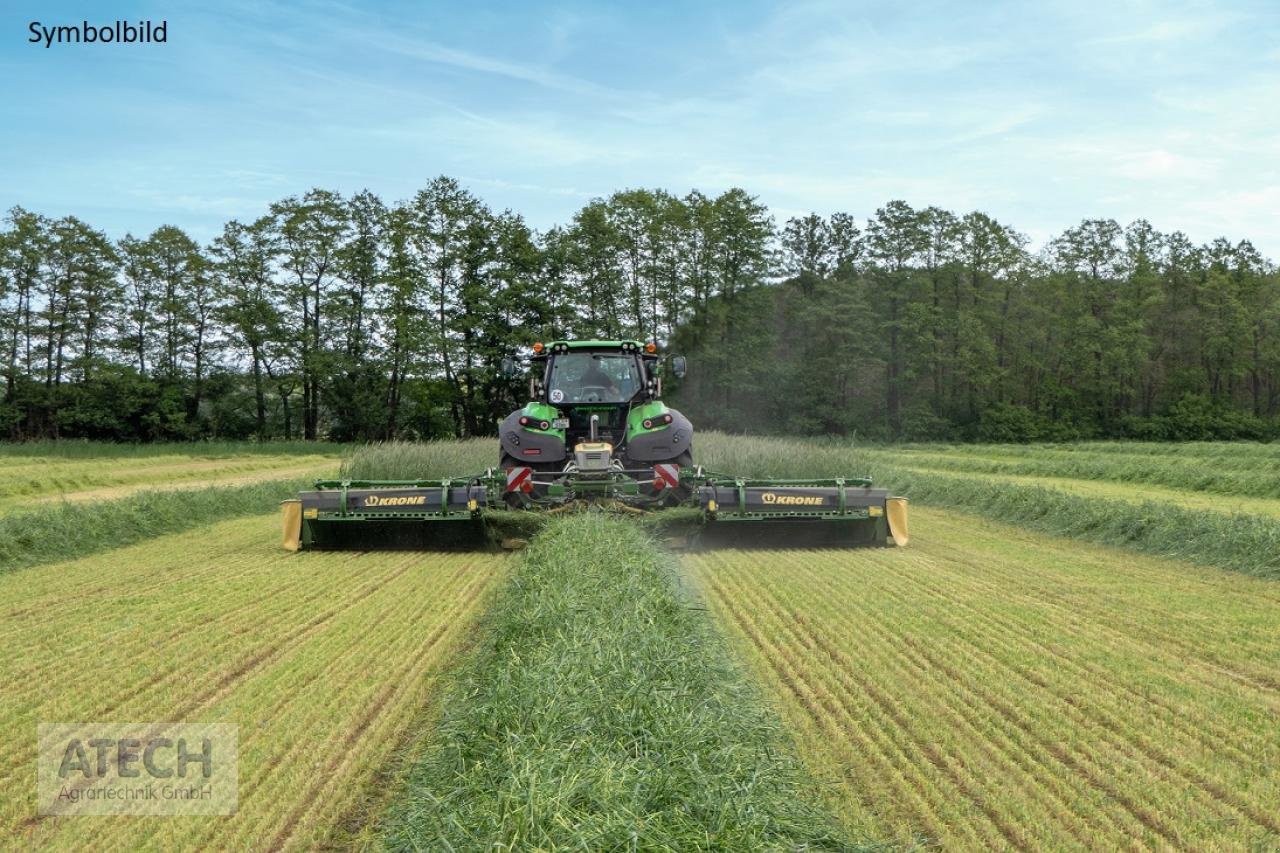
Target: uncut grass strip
[895, 773]
[1111, 715]
[915, 682]
[70, 530]
[600, 711]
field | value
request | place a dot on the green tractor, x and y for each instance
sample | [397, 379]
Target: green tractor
[595, 425]
[595, 431]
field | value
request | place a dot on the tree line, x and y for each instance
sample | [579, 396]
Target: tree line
[348, 318]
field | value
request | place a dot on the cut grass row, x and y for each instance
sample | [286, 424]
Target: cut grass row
[990, 688]
[1243, 542]
[602, 714]
[1230, 454]
[1129, 492]
[26, 480]
[68, 530]
[69, 449]
[1251, 474]
[325, 662]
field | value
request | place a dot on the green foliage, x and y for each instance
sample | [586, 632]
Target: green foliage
[346, 318]
[601, 712]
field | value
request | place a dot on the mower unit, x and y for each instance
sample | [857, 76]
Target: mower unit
[595, 430]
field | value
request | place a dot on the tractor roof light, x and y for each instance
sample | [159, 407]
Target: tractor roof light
[538, 347]
[651, 347]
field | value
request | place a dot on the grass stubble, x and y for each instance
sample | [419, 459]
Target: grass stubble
[324, 662]
[989, 688]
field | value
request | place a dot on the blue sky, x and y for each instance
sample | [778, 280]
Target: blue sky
[1039, 113]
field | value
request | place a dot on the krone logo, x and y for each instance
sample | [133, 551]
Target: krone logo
[405, 500]
[792, 500]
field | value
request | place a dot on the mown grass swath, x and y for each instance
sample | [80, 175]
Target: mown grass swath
[23, 479]
[1239, 542]
[80, 449]
[63, 531]
[601, 713]
[324, 662]
[988, 688]
[1247, 470]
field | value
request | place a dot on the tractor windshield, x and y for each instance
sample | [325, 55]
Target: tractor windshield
[593, 377]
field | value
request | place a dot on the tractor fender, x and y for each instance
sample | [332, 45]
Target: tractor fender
[663, 444]
[518, 441]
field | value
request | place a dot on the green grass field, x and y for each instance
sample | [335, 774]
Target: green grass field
[1071, 653]
[989, 688]
[324, 664]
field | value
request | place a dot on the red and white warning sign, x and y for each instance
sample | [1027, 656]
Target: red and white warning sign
[666, 476]
[520, 479]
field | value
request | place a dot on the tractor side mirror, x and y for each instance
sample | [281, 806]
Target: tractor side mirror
[509, 367]
[679, 366]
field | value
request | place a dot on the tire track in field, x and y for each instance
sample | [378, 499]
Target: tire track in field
[1000, 682]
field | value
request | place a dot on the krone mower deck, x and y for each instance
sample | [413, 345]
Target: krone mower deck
[595, 430]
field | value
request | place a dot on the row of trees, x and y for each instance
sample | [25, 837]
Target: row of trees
[341, 317]
[927, 325]
[348, 318]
